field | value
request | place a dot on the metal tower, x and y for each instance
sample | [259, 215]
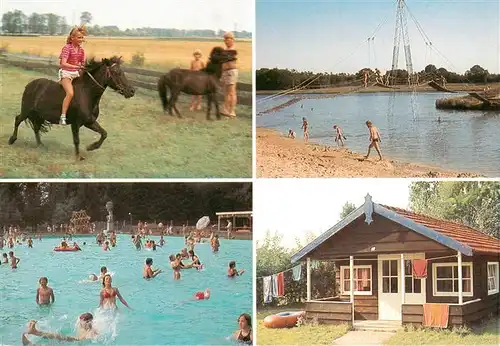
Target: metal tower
[402, 30]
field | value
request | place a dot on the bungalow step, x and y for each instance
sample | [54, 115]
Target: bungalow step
[377, 326]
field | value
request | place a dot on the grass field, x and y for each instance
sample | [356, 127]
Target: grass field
[142, 141]
[158, 53]
[487, 334]
[303, 335]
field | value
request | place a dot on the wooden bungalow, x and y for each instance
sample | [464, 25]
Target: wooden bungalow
[376, 248]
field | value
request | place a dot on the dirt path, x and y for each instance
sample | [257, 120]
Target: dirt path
[281, 157]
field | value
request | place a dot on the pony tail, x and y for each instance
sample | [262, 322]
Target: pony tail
[81, 28]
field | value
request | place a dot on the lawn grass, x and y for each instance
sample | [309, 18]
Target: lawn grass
[308, 334]
[142, 142]
[487, 334]
[159, 55]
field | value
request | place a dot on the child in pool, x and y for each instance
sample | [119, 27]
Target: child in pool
[13, 260]
[44, 294]
[84, 331]
[214, 242]
[175, 263]
[232, 271]
[105, 247]
[71, 60]
[202, 295]
[30, 242]
[148, 272]
[5, 259]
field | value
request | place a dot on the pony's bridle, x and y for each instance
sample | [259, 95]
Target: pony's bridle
[107, 74]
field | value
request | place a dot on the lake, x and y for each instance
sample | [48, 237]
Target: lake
[462, 141]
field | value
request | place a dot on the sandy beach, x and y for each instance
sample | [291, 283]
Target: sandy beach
[281, 157]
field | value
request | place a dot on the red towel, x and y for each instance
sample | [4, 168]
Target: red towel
[281, 284]
[436, 315]
[419, 268]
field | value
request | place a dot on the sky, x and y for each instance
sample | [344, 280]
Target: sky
[179, 14]
[324, 36]
[294, 207]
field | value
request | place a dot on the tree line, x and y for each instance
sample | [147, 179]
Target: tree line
[32, 204]
[283, 79]
[17, 22]
[472, 203]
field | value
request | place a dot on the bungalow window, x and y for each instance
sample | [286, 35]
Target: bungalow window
[493, 277]
[445, 279]
[412, 285]
[362, 280]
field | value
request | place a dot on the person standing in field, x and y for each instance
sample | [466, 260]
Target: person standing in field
[229, 76]
[197, 64]
[374, 139]
[71, 60]
[305, 128]
[339, 136]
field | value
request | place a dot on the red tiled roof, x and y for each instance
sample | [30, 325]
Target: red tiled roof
[478, 241]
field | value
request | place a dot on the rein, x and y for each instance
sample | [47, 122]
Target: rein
[107, 74]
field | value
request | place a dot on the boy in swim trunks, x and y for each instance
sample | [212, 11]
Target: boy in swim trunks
[148, 272]
[13, 260]
[202, 295]
[44, 294]
[196, 65]
[374, 139]
[305, 127]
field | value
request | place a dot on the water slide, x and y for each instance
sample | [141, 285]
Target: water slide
[480, 98]
[439, 87]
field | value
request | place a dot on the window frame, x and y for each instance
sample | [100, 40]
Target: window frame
[356, 293]
[496, 277]
[452, 265]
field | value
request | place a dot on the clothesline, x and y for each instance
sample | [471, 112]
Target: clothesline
[283, 271]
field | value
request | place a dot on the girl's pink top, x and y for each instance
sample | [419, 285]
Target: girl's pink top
[73, 55]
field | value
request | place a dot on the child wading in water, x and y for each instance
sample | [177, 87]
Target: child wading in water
[44, 294]
[339, 136]
[374, 139]
[196, 65]
[71, 60]
[305, 127]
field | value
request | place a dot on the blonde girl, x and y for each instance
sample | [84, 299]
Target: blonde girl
[71, 60]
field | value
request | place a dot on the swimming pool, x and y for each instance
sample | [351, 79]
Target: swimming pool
[163, 311]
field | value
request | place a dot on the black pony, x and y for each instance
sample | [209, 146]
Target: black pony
[203, 82]
[42, 100]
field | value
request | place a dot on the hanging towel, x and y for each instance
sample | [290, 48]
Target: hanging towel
[436, 315]
[419, 268]
[280, 278]
[267, 289]
[297, 272]
[314, 264]
[275, 285]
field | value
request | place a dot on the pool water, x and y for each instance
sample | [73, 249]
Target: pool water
[163, 310]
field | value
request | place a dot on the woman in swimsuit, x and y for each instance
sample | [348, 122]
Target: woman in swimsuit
[196, 261]
[109, 294]
[244, 335]
[175, 263]
[232, 271]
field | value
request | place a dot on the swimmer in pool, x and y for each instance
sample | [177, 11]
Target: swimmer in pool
[109, 293]
[5, 259]
[175, 263]
[44, 294]
[232, 271]
[214, 243]
[162, 241]
[184, 253]
[148, 272]
[84, 331]
[14, 261]
[244, 335]
[196, 261]
[105, 247]
[202, 295]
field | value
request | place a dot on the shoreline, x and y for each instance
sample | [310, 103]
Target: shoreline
[457, 87]
[282, 157]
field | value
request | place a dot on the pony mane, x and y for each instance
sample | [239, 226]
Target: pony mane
[93, 63]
